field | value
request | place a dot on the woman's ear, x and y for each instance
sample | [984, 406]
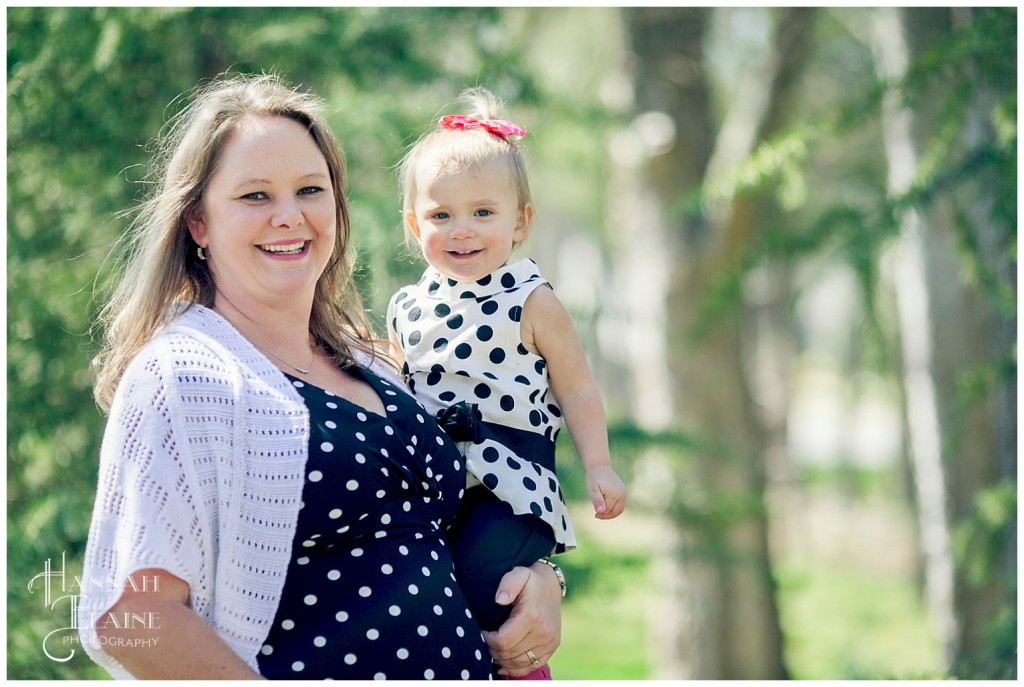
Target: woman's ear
[523, 224]
[196, 225]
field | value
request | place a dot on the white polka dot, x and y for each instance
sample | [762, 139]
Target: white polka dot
[308, 543]
[428, 674]
[297, 384]
[334, 514]
[372, 634]
[351, 485]
[385, 519]
[316, 476]
[360, 458]
[478, 654]
[327, 447]
[334, 575]
[266, 650]
[395, 611]
[298, 666]
[380, 534]
[407, 506]
[403, 550]
[361, 416]
[342, 616]
[381, 494]
[433, 554]
[310, 599]
[440, 441]
[413, 589]
[357, 552]
[391, 408]
[437, 610]
[420, 418]
[446, 652]
[287, 624]
[365, 592]
[386, 569]
[331, 404]
[465, 674]
[319, 641]
[380, 676]
[384, 452]
[331, 424]
[460, 632]
[350, 659]
[426, 571]
[402, 654]
[360, 436]
[388, 430]
[448, 592]
[422, 631]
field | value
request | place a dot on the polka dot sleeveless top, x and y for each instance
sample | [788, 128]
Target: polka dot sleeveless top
[370, 591]
[462, 346]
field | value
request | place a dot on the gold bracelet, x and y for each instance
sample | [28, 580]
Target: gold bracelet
[558, 573]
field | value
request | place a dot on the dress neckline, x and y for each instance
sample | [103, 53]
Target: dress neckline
[508, 277]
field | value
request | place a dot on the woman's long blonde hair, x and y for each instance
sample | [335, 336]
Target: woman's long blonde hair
[158, 264]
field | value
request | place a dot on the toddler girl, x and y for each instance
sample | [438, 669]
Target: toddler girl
[486, 345]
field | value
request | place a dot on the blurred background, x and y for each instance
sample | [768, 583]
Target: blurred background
[788, 238]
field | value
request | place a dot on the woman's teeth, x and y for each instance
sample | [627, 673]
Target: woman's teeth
[285, 249]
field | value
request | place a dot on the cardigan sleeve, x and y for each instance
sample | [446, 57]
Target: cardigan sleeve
[150, 510]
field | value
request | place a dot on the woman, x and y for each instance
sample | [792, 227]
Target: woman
[269, 503]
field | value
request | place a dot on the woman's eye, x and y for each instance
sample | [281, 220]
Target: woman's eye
[310, 190]
[255, 195]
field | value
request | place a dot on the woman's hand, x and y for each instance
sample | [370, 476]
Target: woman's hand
[154, 635]
[535, 623]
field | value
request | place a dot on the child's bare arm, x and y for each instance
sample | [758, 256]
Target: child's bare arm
[548, 331]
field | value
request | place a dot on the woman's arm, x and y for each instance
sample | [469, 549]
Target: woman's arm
[536, 621]
[154, 635]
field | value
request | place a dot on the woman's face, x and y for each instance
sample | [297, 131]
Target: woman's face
[268, 216]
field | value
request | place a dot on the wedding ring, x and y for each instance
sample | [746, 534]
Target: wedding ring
[533, 658]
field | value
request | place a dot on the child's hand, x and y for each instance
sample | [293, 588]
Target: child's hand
[607, 492]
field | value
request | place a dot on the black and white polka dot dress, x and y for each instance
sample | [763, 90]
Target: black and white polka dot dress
[462, 344]
[370, 591]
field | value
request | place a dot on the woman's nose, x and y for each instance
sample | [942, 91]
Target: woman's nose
[287, 215]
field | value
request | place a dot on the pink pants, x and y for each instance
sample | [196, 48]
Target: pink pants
[542, 673]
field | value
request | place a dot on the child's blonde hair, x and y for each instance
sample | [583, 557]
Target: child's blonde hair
[452, 150]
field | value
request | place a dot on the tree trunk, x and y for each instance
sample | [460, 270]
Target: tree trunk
[730, 625]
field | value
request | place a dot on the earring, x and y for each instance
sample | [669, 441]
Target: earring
[201, 253]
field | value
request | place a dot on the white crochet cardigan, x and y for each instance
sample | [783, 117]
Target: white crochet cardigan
[201, 474]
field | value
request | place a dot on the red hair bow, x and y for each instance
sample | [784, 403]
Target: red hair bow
[502, 128]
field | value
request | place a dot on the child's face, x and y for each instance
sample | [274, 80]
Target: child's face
[467, 221]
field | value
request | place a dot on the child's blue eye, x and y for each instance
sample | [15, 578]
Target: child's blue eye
[440, 215]
[484, 212]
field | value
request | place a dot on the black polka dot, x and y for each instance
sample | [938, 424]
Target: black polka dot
[489, 307]
[484, 333]
[463, 351]
[414, 337]
[482, 391]
[522, 350]
[507, 403]
[513, 463]
[490, 481]
[515, 313]
[522, 380]
[535, 509]
[539, 366]
[484, 281]
[432, 289]
[535, 418]
[447, 396]
[548, 506]
[467, 294]
[440, 345]
[401, 296]
[497, 356]
[490, 454]
[508, 280]
[433, 379]
[554, 410]
[415, 314]
[529, 484]
[442, 310]
[454, 322]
